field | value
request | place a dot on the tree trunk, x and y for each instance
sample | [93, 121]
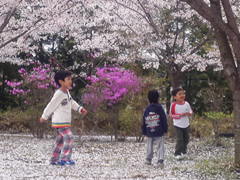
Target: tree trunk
[231, 74]
[175, 76]
[225, 32]
[236, 106]
[116, 128]
[168, 100]
[115, 111]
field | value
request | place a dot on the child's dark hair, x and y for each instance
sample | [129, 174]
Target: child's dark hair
[61, 75]
[153, 96]
[176, 90]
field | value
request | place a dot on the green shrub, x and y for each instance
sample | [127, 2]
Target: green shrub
[12, 121]
[200, 127]
[19, 121]
[31, 119]
[130, 120]
[211, 125]
[171, 129]
[222, 123]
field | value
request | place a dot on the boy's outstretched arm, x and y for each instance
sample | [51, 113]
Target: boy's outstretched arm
[77, 107]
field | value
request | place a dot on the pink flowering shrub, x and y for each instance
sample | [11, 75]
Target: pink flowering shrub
[108, 90]
[110, 85]
[35, 89]
[39, 77]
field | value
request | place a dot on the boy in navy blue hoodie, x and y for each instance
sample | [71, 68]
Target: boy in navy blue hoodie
[154, 126]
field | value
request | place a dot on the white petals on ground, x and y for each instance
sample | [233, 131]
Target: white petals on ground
[24, 157]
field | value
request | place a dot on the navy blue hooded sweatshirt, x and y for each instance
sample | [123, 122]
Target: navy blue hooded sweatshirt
[154, 122]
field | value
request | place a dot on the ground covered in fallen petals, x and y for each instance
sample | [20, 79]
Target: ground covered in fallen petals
[25, 157]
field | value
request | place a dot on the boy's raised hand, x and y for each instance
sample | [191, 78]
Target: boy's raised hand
[184, 114]
[83, 111]
[42, 120]
[187, 114]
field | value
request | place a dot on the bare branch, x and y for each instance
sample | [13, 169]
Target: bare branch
[68, 70]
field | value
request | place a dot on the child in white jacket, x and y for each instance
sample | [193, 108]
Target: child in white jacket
[60, 108]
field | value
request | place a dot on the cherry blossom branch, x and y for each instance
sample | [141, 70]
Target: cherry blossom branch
[31, 28]
[18, 36]
[149, 19]
[52, 17]
[230, 17]
[205, 11]
[68, 70]
[202, 42]
[7, 18]
[121, 4]
[13, 39]
[125, 23]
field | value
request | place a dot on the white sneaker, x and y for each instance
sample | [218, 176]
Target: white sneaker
[185, 156]
[178, 157]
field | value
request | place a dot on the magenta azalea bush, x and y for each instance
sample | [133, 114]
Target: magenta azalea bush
[35, 89]
[109, 85]
[38, 78]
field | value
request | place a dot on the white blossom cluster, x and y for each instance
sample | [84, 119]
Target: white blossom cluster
[136, 30]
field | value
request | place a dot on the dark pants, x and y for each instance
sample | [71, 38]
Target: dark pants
[182, 140]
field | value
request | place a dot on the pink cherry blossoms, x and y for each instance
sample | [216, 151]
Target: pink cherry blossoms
[110, 85]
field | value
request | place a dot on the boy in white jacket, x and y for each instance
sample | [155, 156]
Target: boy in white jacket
[60, 108]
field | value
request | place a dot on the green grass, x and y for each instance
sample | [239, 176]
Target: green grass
[218, 165]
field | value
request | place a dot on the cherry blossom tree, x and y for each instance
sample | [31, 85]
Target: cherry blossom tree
[224, 18]
[21, 20]
[24, 22]
[162, 33]
[153, 32]
[156, 32]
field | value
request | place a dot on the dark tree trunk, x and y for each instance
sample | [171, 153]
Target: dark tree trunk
[175, 76]
[228, 40]
[231, 73]
[236, 107]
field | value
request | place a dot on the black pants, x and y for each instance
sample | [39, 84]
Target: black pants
[182, 140]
